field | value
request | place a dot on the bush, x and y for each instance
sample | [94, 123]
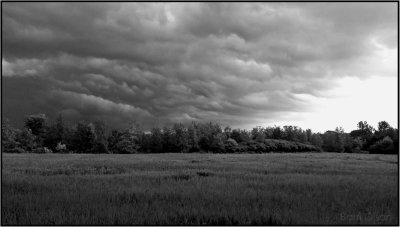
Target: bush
[256, 147]
[15, 150]
[42, 150]
[217, 143]
[47, 150]
[26, 140]
[288, 146]
[384, 146]
[84, 137]
[100, 148]
[61, 147]
[231, 146]
[125, 144]
[242, 148]
[39, 150]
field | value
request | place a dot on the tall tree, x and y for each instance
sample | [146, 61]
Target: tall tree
[156, 140]
[316, 140]
[181, 138]
[193, 138]
[309, 135]
[333, 142]
[36, 123]
[26, 140]
[258, 134]
[100, 141]
[383, 126]
[8, 136]
[55, 134]
[84, 137]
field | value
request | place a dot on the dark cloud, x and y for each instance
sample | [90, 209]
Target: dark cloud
[157, 63]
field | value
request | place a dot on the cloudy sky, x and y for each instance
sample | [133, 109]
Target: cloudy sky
[315, 65]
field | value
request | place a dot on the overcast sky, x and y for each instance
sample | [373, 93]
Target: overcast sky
[315, 65]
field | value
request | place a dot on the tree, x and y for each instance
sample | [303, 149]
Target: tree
[339, 130]
[217, 143]
[365, 134]
[123, 142]
[383, 126]
[309, 135]
[303, 138]
[112, 140]
[231, 146]
[181, 138]
[168, 140]
[84, 137]
[60, 128]
[145, 143]
[269, 131]
[26, 140]
[126, 144]
[339, 140]
[255, 146]
[156, 140]
[36, 123]
[100, 141]
[228, 131]
[333, 142]
[348, 143]
[258, 134]
[193, 138]
[241, 136]
[37, 136]
[277, 133]
[316, 140]
[289, 132]
[384, 146]
[55, 134]
[365, 128]
[8, 136]
[207, 133]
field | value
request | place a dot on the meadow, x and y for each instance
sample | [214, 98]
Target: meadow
[199, 189]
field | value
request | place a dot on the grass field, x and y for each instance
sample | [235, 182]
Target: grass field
[187, 189]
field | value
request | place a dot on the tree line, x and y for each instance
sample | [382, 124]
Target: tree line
[41, 136]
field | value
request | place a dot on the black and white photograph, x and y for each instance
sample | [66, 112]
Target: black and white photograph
[199, 113]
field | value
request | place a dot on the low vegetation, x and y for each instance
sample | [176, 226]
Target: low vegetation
[199, 189]
[41, 136]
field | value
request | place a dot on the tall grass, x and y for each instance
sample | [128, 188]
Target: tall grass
[197, 189]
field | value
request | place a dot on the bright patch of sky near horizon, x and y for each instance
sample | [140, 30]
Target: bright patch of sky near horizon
[372, 99]
[315, 65]
[375, 100]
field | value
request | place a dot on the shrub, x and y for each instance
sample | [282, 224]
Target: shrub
[217, 143]
[15, 150]
[61, 147]
[231, 146]
[84, 137]
[242, 148]
[47, 150]
[256, 147]
[125, 143]
[384, 146]
[36, 123]
[38, 150]
[26, 140]
[100, 148]
[288, 146]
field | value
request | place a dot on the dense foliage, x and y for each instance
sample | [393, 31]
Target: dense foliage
[38, 135]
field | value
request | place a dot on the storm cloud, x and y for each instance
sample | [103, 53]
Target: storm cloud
[157, 63]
